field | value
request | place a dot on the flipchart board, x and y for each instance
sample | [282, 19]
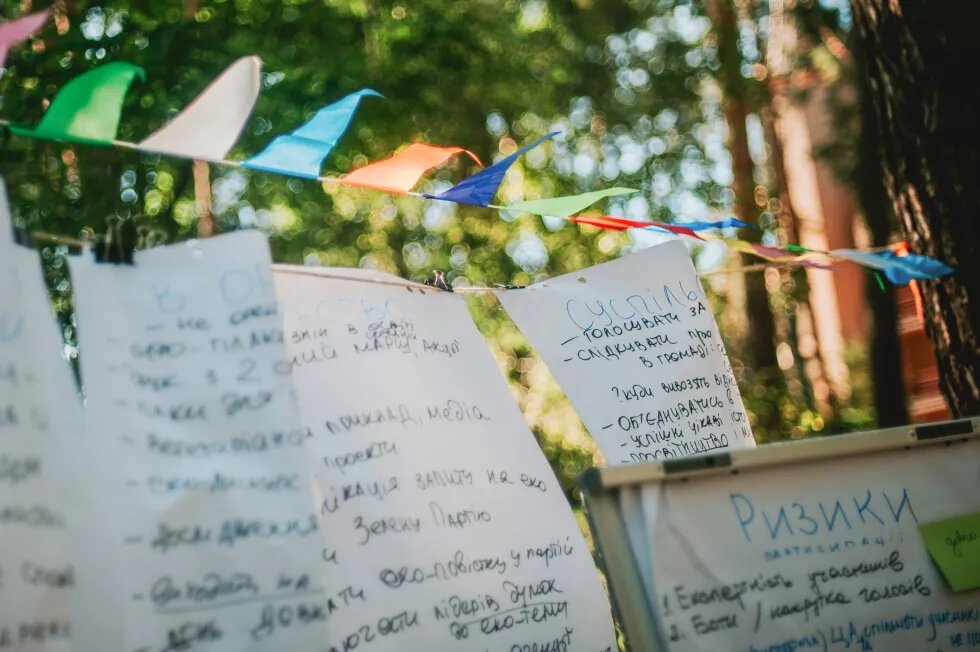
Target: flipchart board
[860, 542]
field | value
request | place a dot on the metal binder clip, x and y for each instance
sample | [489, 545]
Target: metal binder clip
[142, 236]
[23, 237]
[114, 249]
[156, 238]
[439, 281]
[19, 235]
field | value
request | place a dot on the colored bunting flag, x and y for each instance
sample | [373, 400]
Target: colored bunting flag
[902, 249]
[302, 152]
[864, 258]
[622, 224]
[773, 254]
[914, 266]
[87, 108]
[755, 249]
[898, 269]
[480, 188]
[565, 206]
[14, 31]
[210, 125]
[402, 171]
[720, 224]
[799, 249]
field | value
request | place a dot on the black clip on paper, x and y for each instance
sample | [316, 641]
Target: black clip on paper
[439, 281]
[115, 248]
[20, 235]
[148, 237]
[23, 237]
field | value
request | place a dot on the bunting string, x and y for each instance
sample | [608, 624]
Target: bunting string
[87, 110]
[53, 238]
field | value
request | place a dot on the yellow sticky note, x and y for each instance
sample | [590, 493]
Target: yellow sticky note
[954, 544]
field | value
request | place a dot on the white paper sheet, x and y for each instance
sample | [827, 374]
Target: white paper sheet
[205, 534]
[38, 405]
[445, 528]
[822, 556]
[635, 347]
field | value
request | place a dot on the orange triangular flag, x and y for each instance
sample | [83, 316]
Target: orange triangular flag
[402, 171]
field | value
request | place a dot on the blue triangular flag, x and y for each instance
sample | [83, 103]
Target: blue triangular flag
[302, 152]
[913, 266]
[720, 224]
[480, 188]
[899, 270]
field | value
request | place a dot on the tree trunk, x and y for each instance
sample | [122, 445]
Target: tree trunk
[761, 338]
[762, 329]
[886, 354]
[798, 282]
[914, 55]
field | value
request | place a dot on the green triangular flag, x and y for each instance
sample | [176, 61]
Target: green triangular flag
[566, 206]
[797, 249]
[87, 109]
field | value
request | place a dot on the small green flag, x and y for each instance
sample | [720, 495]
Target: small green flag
[878, 280]
[87, 109]
[566, 206]
[796, 249]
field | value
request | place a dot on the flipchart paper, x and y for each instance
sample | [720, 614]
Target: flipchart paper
[204, 533]
[634, 345]
[444, 526]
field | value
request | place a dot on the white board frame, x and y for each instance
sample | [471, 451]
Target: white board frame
[601, 488]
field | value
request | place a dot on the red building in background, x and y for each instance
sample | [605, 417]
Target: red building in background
[919, 373]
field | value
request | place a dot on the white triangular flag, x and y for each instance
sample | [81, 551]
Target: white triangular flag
[210, 125]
